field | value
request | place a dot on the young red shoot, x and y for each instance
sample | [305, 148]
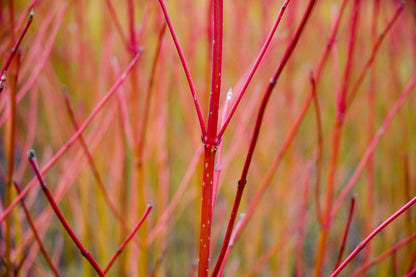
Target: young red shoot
[185, 68]
[74, 137]
[347, 228]
[14, 50]
[48, 194]
[118, 252]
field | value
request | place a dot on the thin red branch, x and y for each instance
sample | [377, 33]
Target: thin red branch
[256, 131]
[118, 252]
[84, 252]
[185, 68]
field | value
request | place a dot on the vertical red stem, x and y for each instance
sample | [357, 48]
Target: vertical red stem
[211, 141]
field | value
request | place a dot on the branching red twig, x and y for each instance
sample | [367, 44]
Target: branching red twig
[266, 96]
[84, 252]
[118, 252]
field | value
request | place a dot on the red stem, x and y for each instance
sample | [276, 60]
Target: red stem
[118, 252]
[372, 235]
[116, 21]
[13, 51]
[347, 228]
[266, 96]
[185, 68]
[84, 252]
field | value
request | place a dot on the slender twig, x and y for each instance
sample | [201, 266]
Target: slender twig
[256, 131]
[347, 228]
[13, 51]
[364, 243]
[302, 221]
[185, 68]
[386, 254]
[74, 137]
[84, 252]
[231, 243]
[118, 252]
[35, 233]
